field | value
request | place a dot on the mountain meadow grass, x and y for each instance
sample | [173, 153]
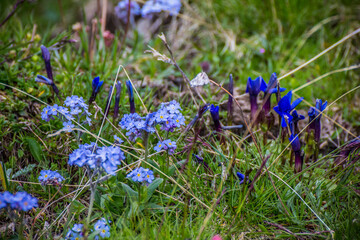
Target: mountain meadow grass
[177, 119]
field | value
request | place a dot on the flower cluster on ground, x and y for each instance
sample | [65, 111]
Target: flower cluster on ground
[48, 177]
[21, 201]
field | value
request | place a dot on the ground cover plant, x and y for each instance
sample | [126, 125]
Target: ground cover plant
[179, 120]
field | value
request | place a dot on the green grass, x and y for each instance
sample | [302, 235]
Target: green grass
[228, 35]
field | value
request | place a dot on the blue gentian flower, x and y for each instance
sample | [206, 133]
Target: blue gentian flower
[48, 177]
[296, 147]
[315, 118]
[131, 96]
[96, 85]
[285, 107]
[271, 88]
[117, 99]
[21, 201]
[241, 177]
[46, 56]
[152, 7]
[254, 87]
[214, 111]
[121, 11]
[45, 80]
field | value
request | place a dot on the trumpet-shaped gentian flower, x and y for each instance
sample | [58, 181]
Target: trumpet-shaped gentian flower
[254, 87]
[315, 118]
[122, 9]
[21, 201]
[96, 85]
[214, 111]
[271, 88]
[131, 96]
[241, 178]
[152, 7]
[296, 147]
[47, 81]
[48, 177]
[285, 107]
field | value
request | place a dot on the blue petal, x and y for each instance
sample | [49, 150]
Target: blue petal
[276, 109]
[263, 85]
[248, 85]
[283, 121]
[296, 102]
[284, 103]
[95, 82]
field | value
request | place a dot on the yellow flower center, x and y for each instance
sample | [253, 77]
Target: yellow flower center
[148, 176]
[103, 230]
[177, 120]
[26, 203]
[138, 174]
[161, 117]
[159, 145]
[46, 175]
[169, 143]
[46, 112]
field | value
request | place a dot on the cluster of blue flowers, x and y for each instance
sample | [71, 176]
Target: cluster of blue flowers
[76, 232]
[141, 175]
[136, 125]
[103, 228]
[75, 107]
[21, 201]
[102, 158]
[149, 9]
[48, 177]
[168, 117]
[168, 145]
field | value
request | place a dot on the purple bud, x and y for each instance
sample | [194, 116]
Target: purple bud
[117, 99]
[214, 111]
[46, 56]
[131, 96]
[96, 85]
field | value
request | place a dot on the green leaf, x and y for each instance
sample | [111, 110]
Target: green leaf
[129, 190]
[35, 148]
[151, 188]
